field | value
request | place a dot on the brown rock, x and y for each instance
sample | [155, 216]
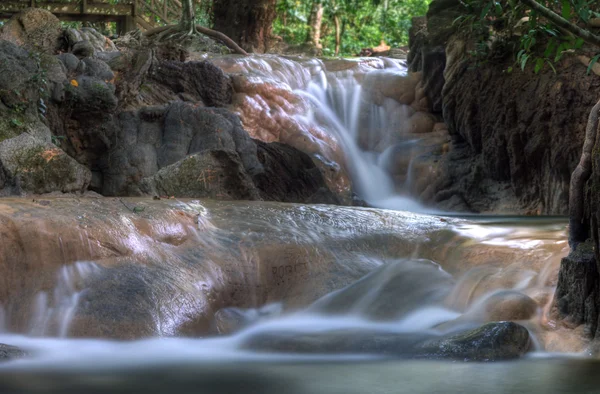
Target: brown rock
[420, 123]
[33, 28]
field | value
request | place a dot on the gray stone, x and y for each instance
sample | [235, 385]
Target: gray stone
[490, 342]
[97, 68]
[34, 166]
[83, 49]
[70, 61]
[8, 352]
[35, 29]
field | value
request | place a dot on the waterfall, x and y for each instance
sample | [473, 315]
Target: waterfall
[52, 313]
[340, 104]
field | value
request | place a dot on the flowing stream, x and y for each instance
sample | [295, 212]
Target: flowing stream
[186, 296]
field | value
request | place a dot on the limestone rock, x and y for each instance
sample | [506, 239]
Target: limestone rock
[490, 342]
[217, 174]
[34, 29]
[83, 49]
[202, 80]
[37, 167]
[504, 305]
[385, 84]
[95, 41]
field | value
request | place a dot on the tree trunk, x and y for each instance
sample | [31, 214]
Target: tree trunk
[338, 34]
[314, 24]
[247, 22]
[188, 17]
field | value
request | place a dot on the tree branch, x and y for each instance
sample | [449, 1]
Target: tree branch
[559, 21]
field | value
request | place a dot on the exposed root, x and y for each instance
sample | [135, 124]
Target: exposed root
[577, 228]
[174, 31]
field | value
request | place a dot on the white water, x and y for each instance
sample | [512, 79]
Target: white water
[52, 314]
[340, 105]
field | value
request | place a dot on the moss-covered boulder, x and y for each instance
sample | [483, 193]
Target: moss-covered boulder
[32, 166]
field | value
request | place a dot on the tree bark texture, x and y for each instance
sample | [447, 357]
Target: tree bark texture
[248, 22]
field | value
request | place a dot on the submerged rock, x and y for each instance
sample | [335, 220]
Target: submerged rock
[335, 342]
[490, 342]
[377, 296]
[8, 352]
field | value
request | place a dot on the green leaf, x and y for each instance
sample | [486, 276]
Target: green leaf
[559, 52]
[498, 8]
[509, 70]
[566, 9]
[138, 209]
[579, 43]
[486, 9]
[524, 61]
[592, 62]
[551, 65]
[539, 63]
[550, 47]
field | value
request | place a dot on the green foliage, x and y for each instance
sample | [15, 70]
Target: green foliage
[364, 23]
[539, 42]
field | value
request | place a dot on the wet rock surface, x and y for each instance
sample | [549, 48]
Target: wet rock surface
[144, 267]
[490, 342]
[8, 353]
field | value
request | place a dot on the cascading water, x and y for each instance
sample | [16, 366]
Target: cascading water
[341, 105]
[284, 282]
[52, 313]
[368, 116]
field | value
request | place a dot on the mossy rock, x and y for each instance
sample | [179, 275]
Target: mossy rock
[490, 342]
[38, 167]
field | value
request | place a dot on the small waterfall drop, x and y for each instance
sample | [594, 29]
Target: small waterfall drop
[52, 313]
[341, 105]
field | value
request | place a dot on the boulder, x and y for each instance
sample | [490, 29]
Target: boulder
[34, 29]
[349, 341]
[83, 49]
[8, 352]
[418, 283]
[17, 68]
[502, 306]
[89, 37]
[186, 150]
[216, 174]
[34, 166]
[490, 342]
[88, 95]
[419, 123]
[387, 84]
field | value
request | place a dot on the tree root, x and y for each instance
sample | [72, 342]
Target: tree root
[577, 228]
[172, 31]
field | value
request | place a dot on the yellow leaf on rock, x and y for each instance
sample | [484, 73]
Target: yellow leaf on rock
[74, 83]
